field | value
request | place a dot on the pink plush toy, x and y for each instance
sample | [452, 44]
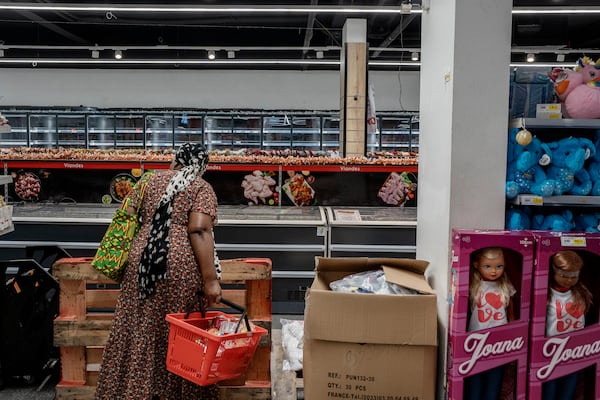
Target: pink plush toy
[579, 89]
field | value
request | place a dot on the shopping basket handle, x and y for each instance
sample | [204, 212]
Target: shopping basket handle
[234, 306]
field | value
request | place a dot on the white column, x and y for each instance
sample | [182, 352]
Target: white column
[464, 115]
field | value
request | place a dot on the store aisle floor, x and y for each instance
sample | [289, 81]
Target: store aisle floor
[20, 391]
[285, 384]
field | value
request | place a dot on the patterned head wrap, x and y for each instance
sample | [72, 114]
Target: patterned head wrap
[193, 159]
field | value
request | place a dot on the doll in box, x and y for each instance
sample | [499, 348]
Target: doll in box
[490, 293]
[568, 302]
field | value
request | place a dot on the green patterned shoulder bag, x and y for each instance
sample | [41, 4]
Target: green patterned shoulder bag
[111, 257]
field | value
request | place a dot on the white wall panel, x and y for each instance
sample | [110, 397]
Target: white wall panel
[310, 90]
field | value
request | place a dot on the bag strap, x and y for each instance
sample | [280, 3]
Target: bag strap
[142, 183]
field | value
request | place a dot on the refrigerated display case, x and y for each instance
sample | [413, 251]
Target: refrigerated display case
[231, 130]
[290, 236]
[372, 232]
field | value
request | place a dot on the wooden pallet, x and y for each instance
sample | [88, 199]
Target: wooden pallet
[81, 332]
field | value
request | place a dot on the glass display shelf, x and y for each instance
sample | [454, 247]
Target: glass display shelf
[61, 213]
[372, 216]
[86, 213]
[271, 215]
[224, 130]
[372, 231]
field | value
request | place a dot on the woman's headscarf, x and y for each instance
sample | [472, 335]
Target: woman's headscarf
[193, 158]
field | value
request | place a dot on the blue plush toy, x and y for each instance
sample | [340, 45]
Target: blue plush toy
[562, 222]
[567, 166]
[593, 167]
[518, 219]
[524, 172]
[587, 222]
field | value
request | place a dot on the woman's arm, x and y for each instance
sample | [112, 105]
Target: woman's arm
[201, 239]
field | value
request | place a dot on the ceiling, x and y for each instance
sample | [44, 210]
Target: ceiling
[309, 39]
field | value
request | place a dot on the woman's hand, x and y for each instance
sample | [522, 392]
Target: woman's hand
[212, 291]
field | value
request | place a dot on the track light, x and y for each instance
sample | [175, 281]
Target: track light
[560, 57]
[211, 55]
[319, 54]
[530, 57]
[118, 54]
[414, 56]
[230, 54]
[95, 54]
[1, 53]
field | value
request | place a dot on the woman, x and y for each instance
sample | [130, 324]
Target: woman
[170, 259]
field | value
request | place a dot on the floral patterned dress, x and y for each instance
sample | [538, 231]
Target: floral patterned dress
[134, 360]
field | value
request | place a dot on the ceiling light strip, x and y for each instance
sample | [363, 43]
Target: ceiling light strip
[123, 61]
[557, 10]
[268, 9]
[543, 64]
[165, 47]
[281, 9]
[57, 61]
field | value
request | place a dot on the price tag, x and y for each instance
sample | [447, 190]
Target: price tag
[573, 241]
[531, 200]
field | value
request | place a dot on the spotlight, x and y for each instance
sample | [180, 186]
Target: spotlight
[211, 55]
[560, 57]
[118, 54]
[319, 54]
[530, 57]
[414, 56]
[95, 54]
[230, 54]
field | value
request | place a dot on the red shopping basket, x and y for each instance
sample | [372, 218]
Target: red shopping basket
[205, 358]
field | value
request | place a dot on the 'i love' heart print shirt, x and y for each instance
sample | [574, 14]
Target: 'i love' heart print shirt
[563, 314]
[489, 310]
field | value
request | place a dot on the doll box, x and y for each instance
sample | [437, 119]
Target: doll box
[557, 356]
[363, 346]
[474, 352]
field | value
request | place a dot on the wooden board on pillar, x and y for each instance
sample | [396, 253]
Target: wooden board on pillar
[353, 97]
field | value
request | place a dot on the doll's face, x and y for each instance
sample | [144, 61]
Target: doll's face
[490, 268]
[565, 277]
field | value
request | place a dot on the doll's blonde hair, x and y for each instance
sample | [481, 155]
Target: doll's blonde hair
[569, 258]
[503, 282]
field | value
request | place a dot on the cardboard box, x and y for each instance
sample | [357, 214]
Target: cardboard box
[548, 111]
[504, 347]
[370, 346]
[554, 357]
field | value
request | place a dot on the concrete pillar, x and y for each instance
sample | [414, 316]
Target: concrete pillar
[465, 50]
[353, 87]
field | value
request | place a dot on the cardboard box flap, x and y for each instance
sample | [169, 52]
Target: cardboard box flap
[370, 318]
[407, 279]
[360, 264]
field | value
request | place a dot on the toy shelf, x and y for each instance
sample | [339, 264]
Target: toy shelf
[566, 123]
[533, 200]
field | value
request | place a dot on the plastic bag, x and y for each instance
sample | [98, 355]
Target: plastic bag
[368, 282]
[292, 341]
